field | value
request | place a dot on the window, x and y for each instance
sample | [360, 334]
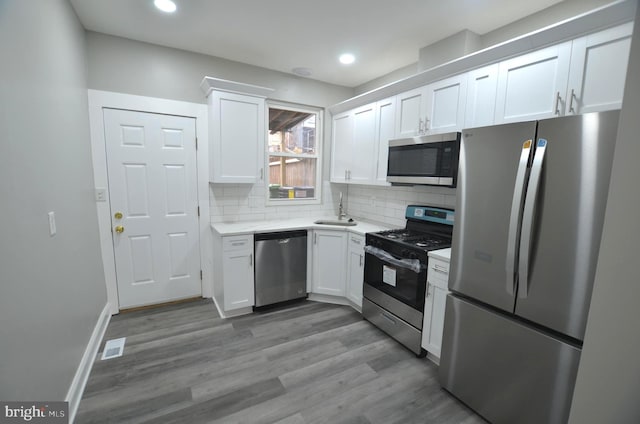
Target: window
[293, 154]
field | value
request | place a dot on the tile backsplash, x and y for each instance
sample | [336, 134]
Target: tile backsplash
[243, 202]
[387, 204]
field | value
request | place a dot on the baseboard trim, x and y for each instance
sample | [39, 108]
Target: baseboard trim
[325, 298]
[74, 395]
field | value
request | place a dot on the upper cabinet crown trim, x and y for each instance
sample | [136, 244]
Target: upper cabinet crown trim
[210, 83]
[596, 20]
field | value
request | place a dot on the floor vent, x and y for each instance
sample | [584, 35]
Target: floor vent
[113, 348]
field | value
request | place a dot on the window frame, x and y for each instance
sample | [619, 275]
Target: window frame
[319, 142]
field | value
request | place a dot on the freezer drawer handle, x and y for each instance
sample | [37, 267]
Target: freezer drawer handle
[527, 218]
[516, 216]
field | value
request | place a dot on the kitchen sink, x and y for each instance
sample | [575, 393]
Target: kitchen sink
[343, 222]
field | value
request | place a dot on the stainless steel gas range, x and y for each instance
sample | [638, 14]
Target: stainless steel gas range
[395, 273]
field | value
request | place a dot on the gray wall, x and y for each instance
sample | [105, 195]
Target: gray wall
[127, 66]
[52, 288]
[608, 381]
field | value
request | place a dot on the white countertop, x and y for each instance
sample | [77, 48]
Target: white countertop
[252, 227]
[442, 254]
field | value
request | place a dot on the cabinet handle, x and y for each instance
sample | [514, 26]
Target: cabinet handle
[440, 270]
[571, 96]
[356, 241]
[345, 175]
[361, 260]
[420, 127]
[237, 243]
[426, 123]
[250, 259]
[315, 238]
[428, 287]
[556, 108]
[261, 174]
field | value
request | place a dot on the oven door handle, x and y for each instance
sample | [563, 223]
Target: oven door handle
[412, 264]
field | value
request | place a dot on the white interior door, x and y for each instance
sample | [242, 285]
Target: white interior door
[151, 162]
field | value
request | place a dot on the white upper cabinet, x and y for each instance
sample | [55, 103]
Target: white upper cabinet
[385, 131]
[482, 85]
[360, 143]
[444, 105]
[410, 113]
[435, 108]
[598, 70]
[341, 146]
[533, 86]
[363, 153]
[237, 132]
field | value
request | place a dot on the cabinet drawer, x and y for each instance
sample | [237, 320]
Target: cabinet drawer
[237, 243]
[438, 273]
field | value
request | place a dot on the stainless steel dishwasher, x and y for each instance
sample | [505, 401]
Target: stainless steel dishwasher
[281, 266]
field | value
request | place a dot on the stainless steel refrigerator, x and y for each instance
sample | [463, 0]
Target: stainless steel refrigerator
[531, 199]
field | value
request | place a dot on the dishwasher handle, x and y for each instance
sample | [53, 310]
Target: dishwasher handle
[280, 236]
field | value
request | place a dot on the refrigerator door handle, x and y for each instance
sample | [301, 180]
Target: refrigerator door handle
[527, 218]
[516, 215]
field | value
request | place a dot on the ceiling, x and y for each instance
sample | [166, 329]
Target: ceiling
[385, 35]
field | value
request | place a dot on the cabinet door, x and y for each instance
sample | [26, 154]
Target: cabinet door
[329, 262]
[238, 279]
[445, 105]
[385, 131]
[409, 114]
[342, 144]
[362, 157]
[482, 86]
[435, 300]
[598, 70]
[355, 269]
[532, 86]
[237, 125]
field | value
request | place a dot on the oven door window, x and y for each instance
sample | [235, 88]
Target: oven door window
[400, 282]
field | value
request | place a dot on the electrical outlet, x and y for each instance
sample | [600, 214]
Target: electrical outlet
[52, 223]
[101, 195]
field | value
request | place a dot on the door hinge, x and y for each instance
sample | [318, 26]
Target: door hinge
[198, 210]
[196, 143]
[200, 275]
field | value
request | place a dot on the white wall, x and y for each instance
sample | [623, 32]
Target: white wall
[608, 380]
[52, 289]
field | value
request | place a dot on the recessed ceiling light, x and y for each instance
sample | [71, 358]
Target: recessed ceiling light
[302, 72]
[167, 6]
[347, 58]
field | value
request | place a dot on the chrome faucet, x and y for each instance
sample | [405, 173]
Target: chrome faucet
[341, 212]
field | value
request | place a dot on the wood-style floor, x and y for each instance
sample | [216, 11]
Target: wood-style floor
[304, 363]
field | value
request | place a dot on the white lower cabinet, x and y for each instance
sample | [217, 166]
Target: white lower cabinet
[233, 272]
[435, 300]
[355, 269]
[329, 262]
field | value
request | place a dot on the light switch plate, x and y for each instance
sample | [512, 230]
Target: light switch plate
[52, 223]
[101, 194]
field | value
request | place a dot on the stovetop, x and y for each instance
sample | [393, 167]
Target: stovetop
[428, 228]
[417, 239]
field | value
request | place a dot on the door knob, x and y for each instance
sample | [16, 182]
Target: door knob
[117, 215]
[119, 229]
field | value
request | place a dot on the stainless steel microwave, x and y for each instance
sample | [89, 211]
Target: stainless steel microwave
[424, 160]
